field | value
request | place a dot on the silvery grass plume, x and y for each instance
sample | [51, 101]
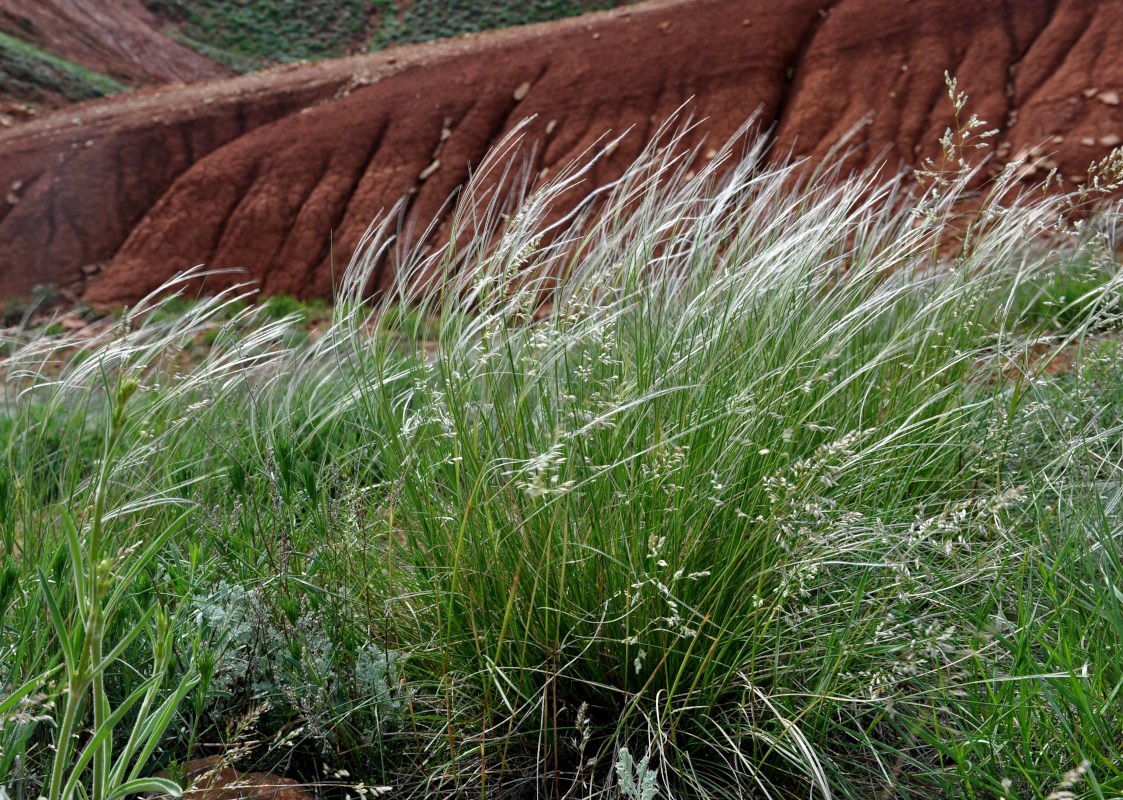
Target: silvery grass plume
[49, 374]
[656, 440]
[127, 379]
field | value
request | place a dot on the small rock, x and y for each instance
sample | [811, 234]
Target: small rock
[210, 779]
[91, 269]
[550, 126]
[1090, 91]
[1108, 98]
[746, 22]
[1110, 140]
[445, 134]
[522, 91]
[1058, 140]
[1088, 141]
[12, 198]
[710, 154]
[596, 35]
[665, 27]
[429, 170]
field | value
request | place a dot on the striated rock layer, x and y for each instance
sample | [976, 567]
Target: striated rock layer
[280, 172]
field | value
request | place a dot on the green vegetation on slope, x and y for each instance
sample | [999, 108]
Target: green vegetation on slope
[771, 500]
[26, 72]
[423, 20]
[250, 35]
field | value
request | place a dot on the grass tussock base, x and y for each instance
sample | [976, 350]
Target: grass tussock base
[772, 499]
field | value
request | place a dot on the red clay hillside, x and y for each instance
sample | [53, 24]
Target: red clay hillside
[280, 172]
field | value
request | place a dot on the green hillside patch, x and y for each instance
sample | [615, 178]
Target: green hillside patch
[30, 74]
[250, 35]
[424, 20]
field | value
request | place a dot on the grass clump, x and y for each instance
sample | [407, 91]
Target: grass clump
[302, 312]
[741, 486]
[1063, 302]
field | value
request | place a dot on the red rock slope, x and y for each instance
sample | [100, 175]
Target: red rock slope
[277, 171]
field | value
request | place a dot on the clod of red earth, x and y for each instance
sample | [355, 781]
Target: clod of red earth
[210, 779]
[280, 173]
[114, 37]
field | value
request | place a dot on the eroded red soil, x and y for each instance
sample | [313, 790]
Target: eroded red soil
[277, 171]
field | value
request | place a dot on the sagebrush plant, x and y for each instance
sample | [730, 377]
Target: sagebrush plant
[724, 483]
